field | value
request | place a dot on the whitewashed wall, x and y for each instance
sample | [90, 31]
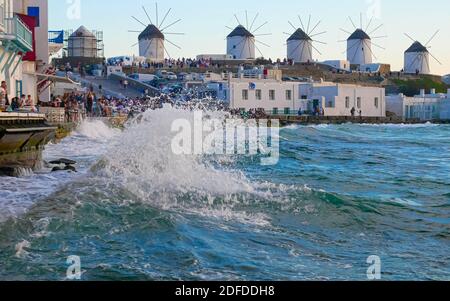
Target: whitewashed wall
[417, 61]
[300, 51]
[241, 48]
[152, 50]
[359, 52]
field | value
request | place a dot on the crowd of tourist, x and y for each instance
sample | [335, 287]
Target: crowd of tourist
[15, 104]
[181, 63]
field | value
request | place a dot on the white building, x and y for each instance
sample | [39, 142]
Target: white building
[35, 66]
[280, 97]
[359, 48]
[338, 64]
[214, 57]
[417, 59]
[299, 47]
[241, 44]
[16, 40]
[151, 44]
[82, 43]
[426, 107]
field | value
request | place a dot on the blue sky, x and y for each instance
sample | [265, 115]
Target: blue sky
[204, 24]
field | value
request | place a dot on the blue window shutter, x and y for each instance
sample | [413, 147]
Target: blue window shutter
[34, 11]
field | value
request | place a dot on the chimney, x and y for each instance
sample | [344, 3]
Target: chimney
[433, 91]
[422, 92]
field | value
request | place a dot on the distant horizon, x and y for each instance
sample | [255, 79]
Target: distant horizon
[201, 21]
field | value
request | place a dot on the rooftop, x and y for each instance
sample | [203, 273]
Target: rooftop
[151, 32]
[82, 32]
[241, 31]
[359, 34]
[299, 35]
[416, 47]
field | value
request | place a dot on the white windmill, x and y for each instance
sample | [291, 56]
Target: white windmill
[417, 57]
[152, 39]
[300, 44]
[359, 43]
[241, 42]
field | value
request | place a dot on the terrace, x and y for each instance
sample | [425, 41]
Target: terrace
[17, 36]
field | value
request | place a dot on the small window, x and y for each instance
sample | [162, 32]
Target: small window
[258, 94]
[244, 94]
[287, 111]
[347, 102]
[304, 97]
[275, 111]
[376, 102]
[271, 94]
[34, 11]
[288, 95]
[358, 102]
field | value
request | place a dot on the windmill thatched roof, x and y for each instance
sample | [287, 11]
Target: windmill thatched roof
[241, 31]
[416, 47]
[299, 35]
[151, 32]
[359, 34]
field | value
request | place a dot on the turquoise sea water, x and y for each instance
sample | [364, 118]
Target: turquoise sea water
[135, 211]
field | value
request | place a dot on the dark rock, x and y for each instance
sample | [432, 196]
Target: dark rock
[63, 161]
[70, 168]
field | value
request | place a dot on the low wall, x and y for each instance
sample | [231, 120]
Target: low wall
[22, 137]
[286, 120]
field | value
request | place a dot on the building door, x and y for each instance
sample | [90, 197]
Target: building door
[19, 88]
[316, 106]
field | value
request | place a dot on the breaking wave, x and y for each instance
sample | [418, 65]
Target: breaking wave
[137, 211]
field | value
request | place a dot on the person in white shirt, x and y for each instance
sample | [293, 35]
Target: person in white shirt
[3, 96]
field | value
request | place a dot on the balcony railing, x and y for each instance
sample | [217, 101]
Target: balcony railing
[21, 35]
[2, 18]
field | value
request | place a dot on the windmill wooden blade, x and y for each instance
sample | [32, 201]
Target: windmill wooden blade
[432, 38]
[435, 58]
[409, 37]
[139, 21]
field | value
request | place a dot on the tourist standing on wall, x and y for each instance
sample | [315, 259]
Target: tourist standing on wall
[4, 102]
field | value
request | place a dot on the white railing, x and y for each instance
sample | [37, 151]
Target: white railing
[2, 17]
[23, 36]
